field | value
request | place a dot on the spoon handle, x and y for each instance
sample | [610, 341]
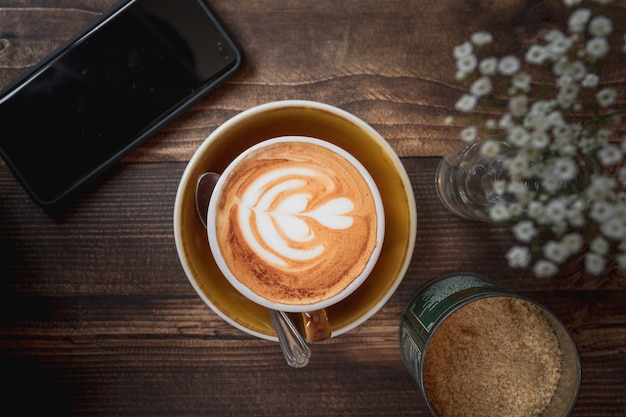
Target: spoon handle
[295, 349]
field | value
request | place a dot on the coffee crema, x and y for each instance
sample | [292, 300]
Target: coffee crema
[296, 222]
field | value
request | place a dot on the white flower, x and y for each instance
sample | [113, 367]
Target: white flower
[600, 26]
[508, 65]
[563, 142]
[576, 219]
[551, 184]
[556, 210]
[537, 54]
[542, 107]
[466, 103]
[594, 264]
[559, 46]
[606, 97]
[516, 209]
[481, 87]
[521, 81]
[518, 136]
[563, 131]
[545, 269]
[469, 134]
[519, 188]
[599, 245]
[518, 257]
[540, 140]
[499, 187]
[518, 105]
[490, 148]
[577, 70]
[567, 94]
[537, 123]
[590, 81]
[553, 35]
[556, 119]
[601, 188]
[463, 50]
[506, 121]
[576, 212]
[499, 213]
[467, 64]
[460, 75]
[488, 66]
[535, 209]
[481, 38]
[610, 155]
[525, 231]
[517, 165]
[564, 78]
[597, 48]
[565, 169]
[570, 3]
[614, 228]
[573, 242]
[578, 20]
[556, 252]
[601, 211]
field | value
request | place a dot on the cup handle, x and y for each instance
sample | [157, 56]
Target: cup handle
[316, 326]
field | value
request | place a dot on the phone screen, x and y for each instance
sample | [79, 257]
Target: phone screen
[109, 89]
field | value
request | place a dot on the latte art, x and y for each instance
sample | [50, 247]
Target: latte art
[277, 221]
[295, 222]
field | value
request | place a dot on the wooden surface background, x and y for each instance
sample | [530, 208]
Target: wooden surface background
[96, 315]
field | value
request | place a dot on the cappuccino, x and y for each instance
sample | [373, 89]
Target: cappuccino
[295, 221]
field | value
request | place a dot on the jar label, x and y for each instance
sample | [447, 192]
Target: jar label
[431, 305]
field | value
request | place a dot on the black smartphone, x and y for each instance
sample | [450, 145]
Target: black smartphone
[110, 87]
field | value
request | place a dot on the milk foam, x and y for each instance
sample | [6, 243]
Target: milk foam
[274, 213]
[296, 223]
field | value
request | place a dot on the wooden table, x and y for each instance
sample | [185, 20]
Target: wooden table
[96, 315]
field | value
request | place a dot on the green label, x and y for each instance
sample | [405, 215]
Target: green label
[431, 305]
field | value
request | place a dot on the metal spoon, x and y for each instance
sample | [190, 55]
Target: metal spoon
[295, 349]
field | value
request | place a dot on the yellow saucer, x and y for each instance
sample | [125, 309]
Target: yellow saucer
[297, 118]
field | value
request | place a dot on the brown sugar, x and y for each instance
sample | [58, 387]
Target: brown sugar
[496, 356]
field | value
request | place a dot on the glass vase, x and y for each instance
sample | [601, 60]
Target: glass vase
[466, 181]
[469, 183]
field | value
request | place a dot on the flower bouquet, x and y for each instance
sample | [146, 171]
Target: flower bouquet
[549, 161]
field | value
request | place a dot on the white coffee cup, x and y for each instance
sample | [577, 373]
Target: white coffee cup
[266, 259]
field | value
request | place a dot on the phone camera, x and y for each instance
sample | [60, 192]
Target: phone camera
[223, 51]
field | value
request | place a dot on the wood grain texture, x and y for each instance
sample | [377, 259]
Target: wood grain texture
[96, 315]
[390, 63]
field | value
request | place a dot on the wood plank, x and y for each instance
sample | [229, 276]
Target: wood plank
[96, 314]
[388, 63]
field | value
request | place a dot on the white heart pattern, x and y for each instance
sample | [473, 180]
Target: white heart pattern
[275, 209]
